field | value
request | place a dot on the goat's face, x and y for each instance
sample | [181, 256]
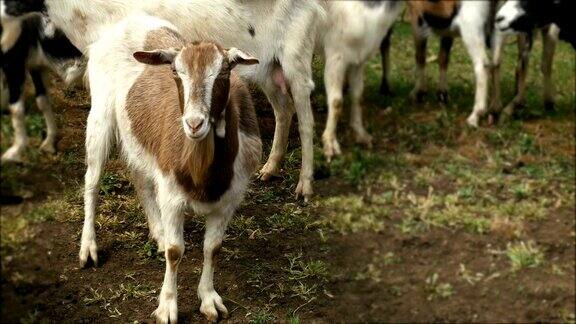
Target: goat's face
[204, 72]
[523, 15]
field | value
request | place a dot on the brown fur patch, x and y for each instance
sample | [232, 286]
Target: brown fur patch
[203, 168]
[173, 254]
[441, 8]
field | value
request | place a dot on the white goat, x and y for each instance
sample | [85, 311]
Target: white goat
[190, 143]
[281, 33]
[351, 35]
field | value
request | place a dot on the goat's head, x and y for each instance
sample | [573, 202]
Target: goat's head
[203, 71]
[524, 15]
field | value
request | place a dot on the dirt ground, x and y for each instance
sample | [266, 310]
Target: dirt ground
[438, 222]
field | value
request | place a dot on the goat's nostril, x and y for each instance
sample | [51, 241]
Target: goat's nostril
[195, 124]
[499, 19]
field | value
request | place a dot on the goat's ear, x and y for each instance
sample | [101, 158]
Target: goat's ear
[156, 57]
[236, 56]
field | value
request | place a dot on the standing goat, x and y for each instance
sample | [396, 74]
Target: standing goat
[187, 128]
[352, 34]
[470, 19]
[524, 16]
[33, 44]
[279, 32]
[524, 42]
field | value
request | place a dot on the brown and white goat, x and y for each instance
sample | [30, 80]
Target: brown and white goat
[188, 130]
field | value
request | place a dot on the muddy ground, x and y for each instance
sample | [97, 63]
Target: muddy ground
[438, 222]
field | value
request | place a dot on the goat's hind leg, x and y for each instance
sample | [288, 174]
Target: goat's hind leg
[356, 83]
[99, 134]
[147, 194]
[212, 302]
[43, 103]
[334, 76]
[15, 77]
[283, 112]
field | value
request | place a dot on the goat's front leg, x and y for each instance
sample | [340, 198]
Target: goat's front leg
[524, 49]
[43, 103]
[385, 58]
[498, 43]
[356, 83]
[443, 61]
[549, 39]
[473, 37]
[420, 88]
[334, 74]
[173, 224]
[212, 302]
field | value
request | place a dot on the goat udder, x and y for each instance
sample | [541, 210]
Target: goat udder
[279, 80]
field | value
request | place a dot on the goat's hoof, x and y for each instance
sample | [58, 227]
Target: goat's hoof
[48, 147]
[418, 96]
[167, 311]
[88, 249]
[363, 138]
[269, 170]
[331, 149]
[507, 113]
[443, 96]
[549, 106]
[472, 121]
[385, 90]
[304, 189]
[212, 305]
[12, 156]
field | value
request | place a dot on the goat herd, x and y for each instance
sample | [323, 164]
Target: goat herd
[165, 80]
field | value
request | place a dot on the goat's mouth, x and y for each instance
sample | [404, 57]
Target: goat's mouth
[196, 135]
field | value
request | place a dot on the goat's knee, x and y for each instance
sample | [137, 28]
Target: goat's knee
[174, 254]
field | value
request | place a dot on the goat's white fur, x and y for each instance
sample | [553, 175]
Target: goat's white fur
[469, 24]
[112, 72]
[284, 31]
[351, 35]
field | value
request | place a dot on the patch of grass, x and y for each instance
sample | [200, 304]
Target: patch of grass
[354, 168]
[524, 255]
[437, 289]
[261, 316]
[113, 184]
[469, 276]
[299, 269]
[350, 214]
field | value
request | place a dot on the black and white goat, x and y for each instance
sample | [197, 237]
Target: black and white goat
[524, 43]
[281, 33]
[187, 128]
[33, 44]
[526, 15]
